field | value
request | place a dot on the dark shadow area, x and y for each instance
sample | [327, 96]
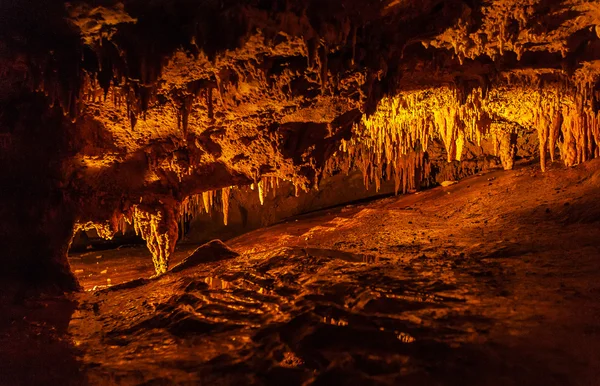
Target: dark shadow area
[36, 348]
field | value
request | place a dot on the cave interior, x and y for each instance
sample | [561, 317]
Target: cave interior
[302, 192]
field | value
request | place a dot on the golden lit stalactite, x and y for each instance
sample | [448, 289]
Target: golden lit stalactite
[579, 128]
[410, 171]
[191, 207]
[274, 183]
[206, 201]
[556, 111]
[416, 117]
[567, 114]
[393, 140]
[388, 142]
[460, 144]
[269, 184]
[561, 112]
[261, 193]
[225, 193]
[107, 229]
[158, 227]
[296, 189]
[571, 129]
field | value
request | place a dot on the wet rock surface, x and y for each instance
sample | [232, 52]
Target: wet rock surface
[489, 281]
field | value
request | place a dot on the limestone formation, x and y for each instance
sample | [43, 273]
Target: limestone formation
[150, 112]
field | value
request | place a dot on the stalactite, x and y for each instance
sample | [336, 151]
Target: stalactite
[261, 194]
[570, 130]
[504, 140]
[206, 201]
[225, 192]
[122, 224]
[158, 227]
[404, 125]
[274, 184]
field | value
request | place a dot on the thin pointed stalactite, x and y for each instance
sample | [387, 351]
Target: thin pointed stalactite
[225, 192]
[261, 192]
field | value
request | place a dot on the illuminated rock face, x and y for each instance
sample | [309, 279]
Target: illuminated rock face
[159, 109]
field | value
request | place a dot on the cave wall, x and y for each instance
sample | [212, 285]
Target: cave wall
[38, 220]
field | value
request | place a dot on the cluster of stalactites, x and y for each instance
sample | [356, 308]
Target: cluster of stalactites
[392, 142]
[411, 120]
[214, 200]
[267, 184]
[107, 229]
[104, 230]
[171, 163]
[206, 202]
[564, 117]
[409, 170]
[570, 123]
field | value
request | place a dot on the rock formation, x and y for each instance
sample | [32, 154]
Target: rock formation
[149, 112]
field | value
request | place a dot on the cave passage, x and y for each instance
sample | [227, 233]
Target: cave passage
[300, 192]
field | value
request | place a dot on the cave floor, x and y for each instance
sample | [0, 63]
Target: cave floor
[491, 281]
